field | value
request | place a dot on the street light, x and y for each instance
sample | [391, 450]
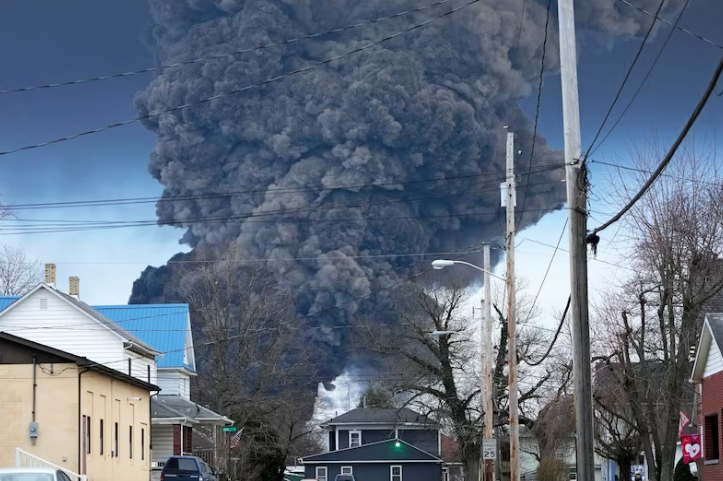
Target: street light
[442, 333]
[442, 263]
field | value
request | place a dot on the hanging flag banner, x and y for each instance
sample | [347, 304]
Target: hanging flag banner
[691, 448]
[684, 421]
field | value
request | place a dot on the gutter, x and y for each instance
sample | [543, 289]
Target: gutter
[80, 419]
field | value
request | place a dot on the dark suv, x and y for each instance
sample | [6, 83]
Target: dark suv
[187, 468]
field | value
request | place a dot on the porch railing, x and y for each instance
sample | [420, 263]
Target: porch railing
[24, 459]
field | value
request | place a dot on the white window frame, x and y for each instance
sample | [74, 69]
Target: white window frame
[347, 470]
[395, 477]
[319, 476]
[351, 434]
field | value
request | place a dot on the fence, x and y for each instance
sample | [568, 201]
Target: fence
[24, 459]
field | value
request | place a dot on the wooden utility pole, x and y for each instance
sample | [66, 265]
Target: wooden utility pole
[489, 386]
[577, 207]
[511, 200]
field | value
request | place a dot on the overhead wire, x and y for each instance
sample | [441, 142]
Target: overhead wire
[645, 78]
[592, 237]
[224, 55]
[537, 108]
[677, 27]
[242, 89]
[625, 81]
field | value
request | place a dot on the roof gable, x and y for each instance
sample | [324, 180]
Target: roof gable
[166, 327]
[382, 416]
[708, 358]
[10, 303]
[390, 450]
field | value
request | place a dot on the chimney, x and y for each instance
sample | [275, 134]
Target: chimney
[74, 289]
[50, 274]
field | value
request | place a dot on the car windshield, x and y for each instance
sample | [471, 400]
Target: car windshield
[26, 477]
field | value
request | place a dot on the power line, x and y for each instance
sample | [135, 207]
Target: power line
[685, 30]
[593, 238]
[281, 190]
[224, 55]
[625, 80]
[547, 271]
[644, 171]
[537, 108]
[242, 89]
[645, 78]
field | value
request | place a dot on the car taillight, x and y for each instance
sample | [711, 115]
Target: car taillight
[161, 476]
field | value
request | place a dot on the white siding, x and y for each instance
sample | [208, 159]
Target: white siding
[62, 326]
[174, 382]
[139, 367]
[714, 363]
[162, 442]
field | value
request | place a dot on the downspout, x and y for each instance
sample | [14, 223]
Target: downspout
[80, 420]
[35, 382]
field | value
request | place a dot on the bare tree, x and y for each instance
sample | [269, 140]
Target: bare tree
[440, 375]
[253, 364]
[18, 273]
[676, 240]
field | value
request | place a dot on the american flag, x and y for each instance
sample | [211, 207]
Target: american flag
[236, 439]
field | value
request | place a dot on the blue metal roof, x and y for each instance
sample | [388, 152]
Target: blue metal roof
[163, 326]
[5, 301]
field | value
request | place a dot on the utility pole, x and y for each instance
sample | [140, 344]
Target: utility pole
[577, 207]
[489, 387]
[511, 200]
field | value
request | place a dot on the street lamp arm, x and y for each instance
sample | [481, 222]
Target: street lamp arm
[480, 269]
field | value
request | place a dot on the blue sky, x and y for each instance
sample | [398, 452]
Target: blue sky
[85, 38]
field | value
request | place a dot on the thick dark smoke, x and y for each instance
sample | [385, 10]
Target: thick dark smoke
[432, 103]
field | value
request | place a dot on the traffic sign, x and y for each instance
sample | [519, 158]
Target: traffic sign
[229, 429]
[489, 449]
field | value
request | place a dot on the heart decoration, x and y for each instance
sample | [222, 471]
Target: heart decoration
[691, 448]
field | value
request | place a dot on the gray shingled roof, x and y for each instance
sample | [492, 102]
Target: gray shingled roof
[715, 321]
[381, 416]
[107, 322]
[188, 408]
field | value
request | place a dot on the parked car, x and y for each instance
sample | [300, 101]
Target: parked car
[33, 474]
[344, 477]
[187, 468]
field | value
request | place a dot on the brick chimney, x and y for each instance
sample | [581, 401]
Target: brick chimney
[50, 274]
[74, 287]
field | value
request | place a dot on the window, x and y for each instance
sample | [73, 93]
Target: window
[149, 373]
[396, 473]
[321, 473]
[347, 470]
[130, 442]
[88, 437]
[116, 451]
[43, 304]
[102, 438]
[710, 438]
[143, 444]
[354, 439]
[62, 476]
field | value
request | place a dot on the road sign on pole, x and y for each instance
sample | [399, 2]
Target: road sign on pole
[230, 429]
[489, 449]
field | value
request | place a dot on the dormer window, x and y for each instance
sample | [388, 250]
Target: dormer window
[354, 439]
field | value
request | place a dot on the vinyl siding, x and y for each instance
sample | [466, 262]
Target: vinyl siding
[174, 382]
[381, 471]
[139, 367]
[714, 363]
[427, 440]
[162, 442]
[63, 327]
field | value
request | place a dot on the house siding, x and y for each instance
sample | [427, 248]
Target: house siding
[426, 440]
[63, 327]
[162, 438]
[372, 436]
[712, 403]
[139, 367]
[381, 471]
[174, 382]
[714, 362]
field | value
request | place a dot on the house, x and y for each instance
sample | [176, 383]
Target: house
[128, 339]
[708, 376]
[66, 412]
[379, 445]
[529, 461]
[167, 327]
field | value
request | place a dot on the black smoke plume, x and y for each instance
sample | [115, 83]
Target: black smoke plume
[430, 104]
